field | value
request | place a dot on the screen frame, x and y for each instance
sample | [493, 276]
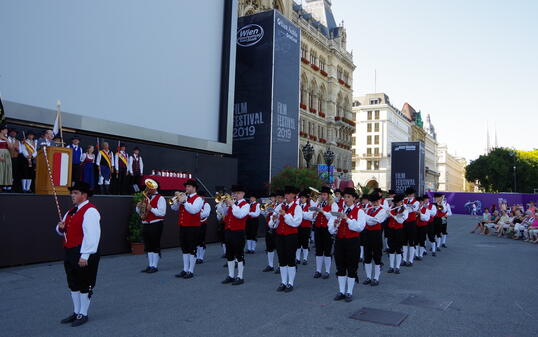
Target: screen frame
[33, 114]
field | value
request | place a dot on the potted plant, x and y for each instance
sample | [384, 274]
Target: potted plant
[135, 228]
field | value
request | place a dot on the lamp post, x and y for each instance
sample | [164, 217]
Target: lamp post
[308, 152]
[514, 157]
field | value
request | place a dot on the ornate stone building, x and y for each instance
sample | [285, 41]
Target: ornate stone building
[326, 116]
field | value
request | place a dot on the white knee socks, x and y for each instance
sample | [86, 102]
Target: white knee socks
[291, 275]
[192, 263]
[270, 258]
[84, 304]
[298, 254]
[398, 260]
[392, 257]
[350, 285]
[305, 254]
[405, 251]
[156, 259]
[223, 248]
[444, 239]
[319, 263]
[284, 275]
[377, 272]
[75, 296]
[368, 269]
[411, 253]
[231, 269]
[186, 261]
[240, 269]
[327, 260]
[342, 284]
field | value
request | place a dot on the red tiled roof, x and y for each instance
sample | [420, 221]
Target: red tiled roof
[408, 111]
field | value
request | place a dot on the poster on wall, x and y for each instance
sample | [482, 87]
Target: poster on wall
[407, 166]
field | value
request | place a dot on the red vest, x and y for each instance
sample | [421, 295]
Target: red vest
[343, 230]
[283, 228]
[232, 223]
[73, 227]
[371, 212]
[153, 203]
[252, 210]
[421, 223]
[430, 206]
[321, 220]
[306, 223]
[412, 215]
[341, 203]
[440, 213]
[392, 222]
[187, 219]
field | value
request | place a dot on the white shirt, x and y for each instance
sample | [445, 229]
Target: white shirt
[193, 207]
[85, 155]
[356, 225]
[308, 215]
[290, 220]
[424, 216]
[24, 150]
[130, 164]
[334, 208]
[413, 207]
[159, 211]
[401, 217]
[256, 212]
[206, 210]
[111, 156]
[378, 218]
[117, 160]
[240, 212]
[91, 229]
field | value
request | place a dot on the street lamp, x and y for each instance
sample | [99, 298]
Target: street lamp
[328, 156]
[308, 152]
[514, 156]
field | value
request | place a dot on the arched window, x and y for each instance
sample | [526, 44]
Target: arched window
[321, 99]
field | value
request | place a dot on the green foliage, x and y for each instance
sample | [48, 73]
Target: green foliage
[135, 223]
[362, 190]
[299, 177]
[495, 171]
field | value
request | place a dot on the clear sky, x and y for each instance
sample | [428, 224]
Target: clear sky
[465, 62]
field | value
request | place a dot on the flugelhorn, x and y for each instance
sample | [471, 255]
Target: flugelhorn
[178, 196]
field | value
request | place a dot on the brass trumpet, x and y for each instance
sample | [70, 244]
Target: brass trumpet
[219, 197]
[178, 196]
[314, 195]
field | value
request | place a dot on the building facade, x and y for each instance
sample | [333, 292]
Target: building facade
[452, 172]
[379, 124]
[326, 115]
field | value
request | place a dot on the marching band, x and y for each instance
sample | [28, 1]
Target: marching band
[352, 227]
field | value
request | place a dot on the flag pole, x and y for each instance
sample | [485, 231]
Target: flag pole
[58, 109]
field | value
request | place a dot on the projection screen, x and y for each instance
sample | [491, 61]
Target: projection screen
[161, 71]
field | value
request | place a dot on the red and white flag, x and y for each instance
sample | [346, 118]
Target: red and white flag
[60, 169]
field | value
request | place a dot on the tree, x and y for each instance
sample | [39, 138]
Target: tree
[299, 177]
[495, 171]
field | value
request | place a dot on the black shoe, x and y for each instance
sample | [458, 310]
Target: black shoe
[325, 276]
[277, 270]
[339, 297]
[360, 260]
[81, 319]
[289, 288]
[317, 274]
[438, 249]
[268, 269]
[238, 281]
[69, 319]
[145, 270]
[433, 254]
[374, 283]
[397, 271]
[228, 279]
[297, 262]
[152, 270]
[349, 298]
[367, 281]
[281, 287]
[444, 246]
[199, 261]
[425, 253]
[188, 275]
[182, 274]
[305, 263]
[391, 270]
[418, 258]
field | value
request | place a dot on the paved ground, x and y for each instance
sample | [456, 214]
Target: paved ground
[491, 282]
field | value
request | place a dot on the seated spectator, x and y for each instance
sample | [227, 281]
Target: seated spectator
[486, 218]
[518, 224]
[503, 224]
[491, 225]
[532, 230]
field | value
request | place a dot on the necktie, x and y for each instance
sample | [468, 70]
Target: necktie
[74, 210]
[323, 204]
[348, 210]
[286, 208]
[236, 203]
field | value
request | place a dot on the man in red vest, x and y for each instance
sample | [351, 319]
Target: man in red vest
[235, 219]
[422, 225]
[305, 228]
[373, 248]
[322, 237]
[397, 216]
[252, 224]
[152, 226]
[410, 227]
[81, 230]
[285, 221]
[270, 246]
[189, 222]
[347, 228]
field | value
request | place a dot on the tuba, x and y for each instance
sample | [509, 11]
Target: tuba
[143, 208]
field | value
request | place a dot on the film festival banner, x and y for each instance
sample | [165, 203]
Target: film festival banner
[266, 107]
[475, 203]
[407, 166]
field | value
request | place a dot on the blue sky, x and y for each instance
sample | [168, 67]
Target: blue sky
[464, 62]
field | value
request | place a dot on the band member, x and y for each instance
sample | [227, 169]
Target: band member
[305, 228]
[422, 225]
[322, 237]
[190, 207]
[152, 210]
[121, 164]
[105, 167]
[14, 147]
[444, 225]
[252, 224]
[442, 209]
[6, 172]
[220, 209]
[363, 204]
[29, 154]
[204, 216]
[135, 168]
[76, 157]
[397, 216]
[81, 230]
[285, 221]
[348, 229]
[269, 234]
[338, 198]
[235, 222]
[373, 248]
[387, 204]
[88, 166]
[410, 227]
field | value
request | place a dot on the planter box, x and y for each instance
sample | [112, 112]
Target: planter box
[137, 248]
[323, 73]
[303, 106]
[305, 61]
[315, 67]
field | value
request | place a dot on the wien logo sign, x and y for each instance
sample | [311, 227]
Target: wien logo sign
[249, 35]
